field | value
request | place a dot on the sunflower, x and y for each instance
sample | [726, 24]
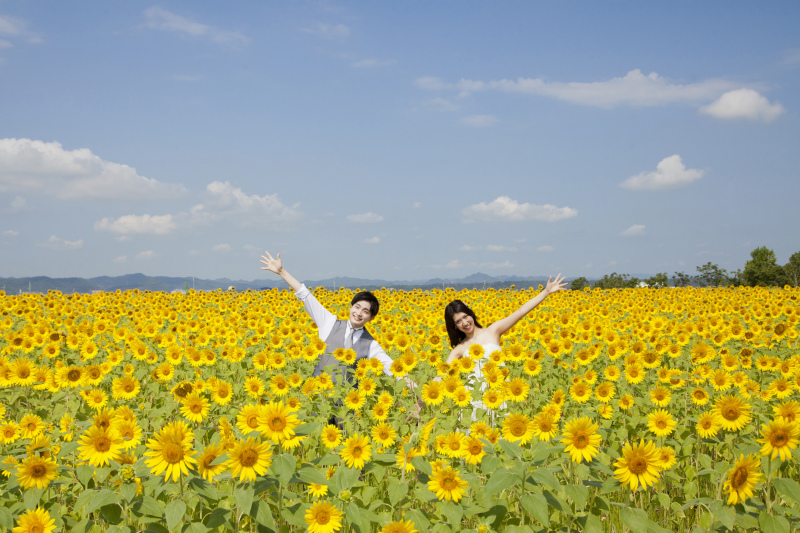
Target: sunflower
[99, 445]
[661, 423]
[204, 463]
[779, 438]
[734, 412]
[317, 491]
[355, 399]
[493, 398]
[403, 458]
[125, 388]
[660, 396]
[447, 485]
[625, 402]
[277, 422]
[30, 426]
[170, 452]
[384, 434]
[331, 436]
[532, 367]
[35, 521]
[403, 526]
[194, 407]
[279, 385]
[357, 450]
[789, 411]
[452, 444]
[708, 425]
[323, 517]
[473, 450]
[221, 392]
[517, 390]
[606, 411]
[634, 373]
[605, 392]
[581, 439]
[9, 432]
[462, 397]
[518, 427]
[36, 471]
[545, 426]
[433, 392]
[129, 431]
[254, 386]
[667, 457]
[699, 396]
[249, 459]
[640, 465]
[247, 419]
[742, 479]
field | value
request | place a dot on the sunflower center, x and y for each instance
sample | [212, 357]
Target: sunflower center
[208, 460]
[739, 477]
[128, 387]
[248, 458]
[455, 445]
[196, 408]
[638, 465]
[476, 449]
[172, 453]
[38, 471]
[581, 440]
[73, 375]
[779, 439]
[661, 424]
[323, 517]
[356, 451]
[252, 421]
[731, 413]
[277, 423]
[518, 429]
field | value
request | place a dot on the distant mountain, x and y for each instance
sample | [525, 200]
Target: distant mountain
[42, 284]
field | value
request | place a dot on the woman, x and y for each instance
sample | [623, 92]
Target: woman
[464, 329]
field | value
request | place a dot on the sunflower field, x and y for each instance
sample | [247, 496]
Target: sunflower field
[606, 410]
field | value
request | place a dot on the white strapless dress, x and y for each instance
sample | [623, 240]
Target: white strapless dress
[479, 385]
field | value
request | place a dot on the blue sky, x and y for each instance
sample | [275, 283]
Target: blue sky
[396, 140]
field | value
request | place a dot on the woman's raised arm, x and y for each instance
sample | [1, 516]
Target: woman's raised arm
[553, 285]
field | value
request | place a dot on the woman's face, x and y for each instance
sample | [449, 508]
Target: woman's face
[464, 323]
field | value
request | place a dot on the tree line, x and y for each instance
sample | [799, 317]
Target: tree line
[761, 270]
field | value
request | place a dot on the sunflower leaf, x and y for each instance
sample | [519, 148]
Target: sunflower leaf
[789, 489]
[283, 467]
[104, 497]
[174, 513]
[536, 506]
[773, 524]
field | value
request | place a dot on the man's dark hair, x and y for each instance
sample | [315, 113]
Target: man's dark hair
[366, 296]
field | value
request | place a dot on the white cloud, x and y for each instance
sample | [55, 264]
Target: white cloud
[637, 230]
[328, 31]
[416, 205]
[160, 19]
[791, 57]
[670, 173]
[504, 209]
[147, 254]
[56, 243]
[17, 27]
[372, 63]
[635, 88]
[121, 259]
[137, 224]
[441, 104]
[373, 240]
[494, 266]
[10, 233]
[500, 248]
[5, 44]
[468, 248]
[743, 104]
[480, 121]
[224, 248]
[365, 218]
[47, 168]
[545, 248]
[453, 264]
[224, 201]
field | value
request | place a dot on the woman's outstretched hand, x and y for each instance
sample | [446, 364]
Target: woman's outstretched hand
[555, 285]
[273, 265]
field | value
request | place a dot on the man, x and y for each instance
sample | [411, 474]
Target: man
[337, 333]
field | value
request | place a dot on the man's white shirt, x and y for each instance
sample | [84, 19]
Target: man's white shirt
[325, 321]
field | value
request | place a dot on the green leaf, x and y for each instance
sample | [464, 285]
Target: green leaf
[634, 519]
[308, 428]
[344, 478]
[309, 474]
[6, 518]
[489, 464]
[557, 503]
[511, 448]
[174, 513]
[421, 464]
[111, 512]
[454, 512]
[104, 497]
[420, 519]
[536, 506]
[664, 500]
[84, 473]
[296, 515]
[156, 528]
[119, 529]
[128, 491]
[609, 485]
[283, 467]
[519, 529]
[219, 517]
[396, 492]
[590, 524]
[31, 498]
[194, 527]
[148, 506]
[727, 515]
[578, 494]
[499, 481]
[263, 515]
[788, 489]
[772, 524]
[244, 494]
[543, 476]
[204, 488]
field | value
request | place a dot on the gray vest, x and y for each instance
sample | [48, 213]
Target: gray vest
[336, 340]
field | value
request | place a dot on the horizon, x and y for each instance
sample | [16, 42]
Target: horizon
[399, 141]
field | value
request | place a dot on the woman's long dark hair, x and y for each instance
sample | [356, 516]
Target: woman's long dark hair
[455, 334]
